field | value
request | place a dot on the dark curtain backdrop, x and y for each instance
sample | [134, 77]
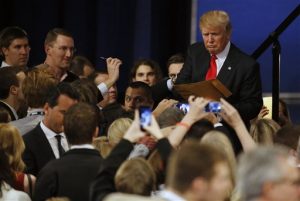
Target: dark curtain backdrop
[127, 29]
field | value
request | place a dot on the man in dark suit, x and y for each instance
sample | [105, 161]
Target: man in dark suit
[236, 70]
[71, 175]
[47, 140]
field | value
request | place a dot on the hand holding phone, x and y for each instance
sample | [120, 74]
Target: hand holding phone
[145, 116]
[214, 107]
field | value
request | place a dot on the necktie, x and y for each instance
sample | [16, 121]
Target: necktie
[60, 148]
[212, 71]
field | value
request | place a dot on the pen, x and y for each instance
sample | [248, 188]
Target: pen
[103, 58]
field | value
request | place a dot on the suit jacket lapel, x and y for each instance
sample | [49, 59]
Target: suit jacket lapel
[227, 71]
[44, 144]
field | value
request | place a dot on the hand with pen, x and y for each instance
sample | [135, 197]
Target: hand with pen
[113, 65]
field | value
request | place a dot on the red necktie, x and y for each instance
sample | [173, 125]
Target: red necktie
[212, 71]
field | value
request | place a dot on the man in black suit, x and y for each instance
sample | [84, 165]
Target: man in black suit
[236, 70]
[11, 96]
[71, 175]
[47, 140]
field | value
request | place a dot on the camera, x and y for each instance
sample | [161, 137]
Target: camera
[214, 107]
[184, 107]
[145, 116]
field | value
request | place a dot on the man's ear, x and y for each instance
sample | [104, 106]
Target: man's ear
[47, 49]
[46, 108]
[4, 51]
[13, 90]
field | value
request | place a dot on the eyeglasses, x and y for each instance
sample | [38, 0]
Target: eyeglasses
[65, 49]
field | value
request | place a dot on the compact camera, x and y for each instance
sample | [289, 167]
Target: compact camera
[214, 107]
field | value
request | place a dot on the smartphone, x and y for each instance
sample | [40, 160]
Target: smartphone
[214, 107]
[185, 107]
[145, 116]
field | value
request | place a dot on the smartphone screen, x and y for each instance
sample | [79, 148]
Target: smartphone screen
[183, 107]
[214, 107]
[145, 116]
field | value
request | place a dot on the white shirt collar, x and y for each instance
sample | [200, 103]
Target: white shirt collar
[82, 146]
[49, 133]
[222, 57]
[4, 64]
[35, 111]
[169, 195]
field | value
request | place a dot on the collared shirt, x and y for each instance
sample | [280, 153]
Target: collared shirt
[4, 64]
[222, 57]
[12, 109]
[50, 135]
[169, 195]
[82, 146]
[35, 111]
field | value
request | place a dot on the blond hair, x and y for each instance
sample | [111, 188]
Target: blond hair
[12, 144]
[216, 18]
[102, 145]
[117, 130]
[135, 176]
[263, 131]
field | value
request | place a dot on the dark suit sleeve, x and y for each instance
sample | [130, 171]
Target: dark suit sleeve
[46, 184]
[185, 74]
[104, 182]
[250, 94]
[29, 159]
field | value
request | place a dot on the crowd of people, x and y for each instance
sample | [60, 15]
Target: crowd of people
[65, 136]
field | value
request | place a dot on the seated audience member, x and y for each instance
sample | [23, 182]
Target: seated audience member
[267, 173]
[12, 144]
[263, 131]
[81, 66]
[6, 181]
[72, 174]
[11, 96]
[47, 140]
[203, 175]
[14, 47]
[174, 65]
[36, 87]
[288, 136]
[147, 71]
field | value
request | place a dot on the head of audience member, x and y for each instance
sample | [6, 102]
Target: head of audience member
[221, 142]
[268, 173]
[168, 118]
[174, 65]
[59, 100]
[203, 175]
[216, 30]
[81, 66]
[4, 116]
[36, 87]
[76, 133]
[59, 48]
[198, 129]
[138, 94]
[263, 131]
[87, 90]
[117, 130]
[12, 144]
[112, 93]
[288, 136]
[14, 46]
[135, 176]
[11, 80]
[102, 145]
[284, 115]
[146, 70]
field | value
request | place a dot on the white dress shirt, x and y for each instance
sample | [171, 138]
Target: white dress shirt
[50, 135]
